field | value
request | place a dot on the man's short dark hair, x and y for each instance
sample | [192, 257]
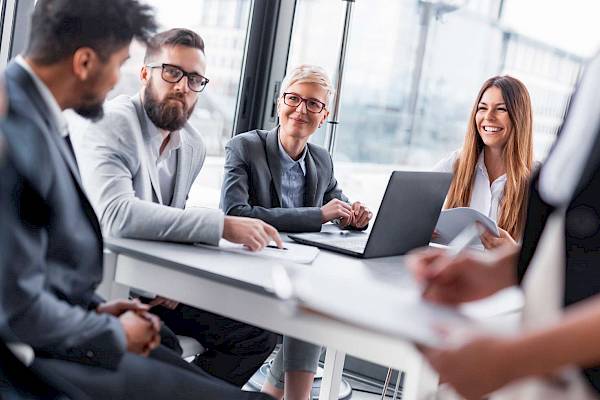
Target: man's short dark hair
[173, 37]
[60, 27]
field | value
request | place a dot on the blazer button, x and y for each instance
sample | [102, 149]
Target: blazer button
[89, 354]
[582, 222]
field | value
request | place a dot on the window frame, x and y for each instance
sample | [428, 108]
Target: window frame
[15, 16]
[265, 61]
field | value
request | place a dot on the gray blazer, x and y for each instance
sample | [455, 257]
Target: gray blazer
[54, 261]
[252, 182]
[121, 178]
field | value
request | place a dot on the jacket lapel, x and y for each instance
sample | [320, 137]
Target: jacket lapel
[272, 147]
[185, 156]
[590, 168]
[311, 181]
[68, 156]
[36, 99]
[149, 156]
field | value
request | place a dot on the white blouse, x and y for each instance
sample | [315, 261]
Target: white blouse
[485, 198]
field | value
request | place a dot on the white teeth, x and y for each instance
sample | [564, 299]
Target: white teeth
[491, 129]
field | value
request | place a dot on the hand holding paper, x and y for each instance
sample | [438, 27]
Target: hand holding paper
[490, 241]
[452, 221]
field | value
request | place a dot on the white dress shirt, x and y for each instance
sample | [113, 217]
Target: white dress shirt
[166, 163]
[485, 198]
[293, 178]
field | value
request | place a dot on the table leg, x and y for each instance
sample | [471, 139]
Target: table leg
[420, 381]
[332, 374]
[109, 289]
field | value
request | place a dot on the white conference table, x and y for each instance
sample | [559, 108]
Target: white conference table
[241, 287]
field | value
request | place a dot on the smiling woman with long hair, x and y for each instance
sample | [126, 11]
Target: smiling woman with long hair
[492, 169]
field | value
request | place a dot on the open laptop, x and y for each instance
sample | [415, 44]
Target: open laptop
[407, 216]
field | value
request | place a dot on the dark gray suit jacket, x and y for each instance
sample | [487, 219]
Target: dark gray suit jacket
[252, 182]
[55, 260]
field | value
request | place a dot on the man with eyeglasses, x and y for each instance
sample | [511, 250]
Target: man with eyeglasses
[138, 165]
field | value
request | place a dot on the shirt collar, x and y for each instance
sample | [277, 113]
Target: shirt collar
[481, 164]
[55, 112]
[481, 167]
[287, 162]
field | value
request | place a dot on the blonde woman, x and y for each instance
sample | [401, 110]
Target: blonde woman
[491, 171]
[282, 179]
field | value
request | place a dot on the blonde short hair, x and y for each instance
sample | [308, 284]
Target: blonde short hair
[306, 73]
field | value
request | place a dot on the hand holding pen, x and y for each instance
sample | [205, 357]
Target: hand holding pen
[455, 247]
[456, 275]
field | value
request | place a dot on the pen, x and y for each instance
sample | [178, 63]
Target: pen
[272, 246]
[459, 243]
[463, 239]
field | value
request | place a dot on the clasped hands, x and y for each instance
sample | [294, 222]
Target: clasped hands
[142, 329]
[356, 215]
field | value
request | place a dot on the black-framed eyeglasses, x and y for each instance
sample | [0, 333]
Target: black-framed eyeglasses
[312, 105]
[173, 74]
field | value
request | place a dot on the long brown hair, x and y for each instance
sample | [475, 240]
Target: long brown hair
[517, 156]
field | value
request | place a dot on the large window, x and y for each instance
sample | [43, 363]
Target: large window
[223, 26]
[412, 70]
[414, 67]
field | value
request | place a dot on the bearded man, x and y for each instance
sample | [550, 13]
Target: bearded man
[138, 164]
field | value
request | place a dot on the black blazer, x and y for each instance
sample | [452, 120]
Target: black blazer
[582, 238]
[252, 182]
[54, 262]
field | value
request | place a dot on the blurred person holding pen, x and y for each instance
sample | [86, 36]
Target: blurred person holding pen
[557, 266]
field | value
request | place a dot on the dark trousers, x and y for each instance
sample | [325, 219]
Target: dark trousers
[234, 350]
[163, 375]
[18, 382]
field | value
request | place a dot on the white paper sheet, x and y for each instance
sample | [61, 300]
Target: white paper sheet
[506, 301]
[293, 252]
[454, 220]
[377, 306]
